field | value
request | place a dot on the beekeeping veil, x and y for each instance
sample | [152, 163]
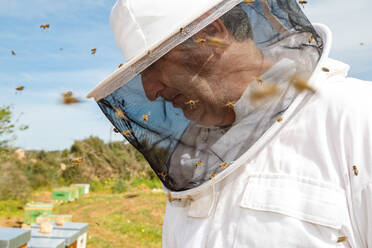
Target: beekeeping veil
[204, 79]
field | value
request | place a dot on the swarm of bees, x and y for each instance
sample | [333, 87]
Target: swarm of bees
[192, 103]
[68, 98]
[44, 26]
[93, 51]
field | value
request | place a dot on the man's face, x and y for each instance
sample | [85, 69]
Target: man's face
[183, 77]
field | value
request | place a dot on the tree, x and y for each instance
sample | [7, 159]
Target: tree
[7, 126]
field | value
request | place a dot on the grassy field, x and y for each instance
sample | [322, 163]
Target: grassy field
[129, 219]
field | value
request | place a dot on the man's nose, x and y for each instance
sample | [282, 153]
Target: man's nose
[152, 87]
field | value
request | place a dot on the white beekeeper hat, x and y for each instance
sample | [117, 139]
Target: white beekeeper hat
[146, 30]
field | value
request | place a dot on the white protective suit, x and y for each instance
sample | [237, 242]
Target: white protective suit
[307, 182]
[303, 181]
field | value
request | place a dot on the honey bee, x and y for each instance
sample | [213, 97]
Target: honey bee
[120, 114]
[120, 65]
[13, 52]
[189, 197]
[311, 38]
[262, 92]
[149, 52]
[163, 175]
[20, 88]
[78, 160]
[44, 26]
[229, 105]
[145, 117]
[192, 103]
[301, 85]
[182, 31]
[67, 98]
[127, 132]
[325, 69]
[302, 2]
[212, 175]
[280, 119]
[341, 239]
[355, 169]
[223, 165]
[249, 2]
[116, 130]
[259, 80]
[199, 163]
[93, 50]
[216, 41]
[170, 197]
[201, 40]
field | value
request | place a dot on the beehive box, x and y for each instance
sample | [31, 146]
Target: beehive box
[14, 237]
[66, 217]
[86, 187]
[46, 243]
[75, 192]
[35, 209]
[82, 229]
[64, 194]
[80, 187]
[69, 236]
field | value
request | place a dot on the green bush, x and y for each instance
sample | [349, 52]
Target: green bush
[14, 184]
[120, 186]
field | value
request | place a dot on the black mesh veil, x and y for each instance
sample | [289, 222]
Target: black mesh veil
[203, 104]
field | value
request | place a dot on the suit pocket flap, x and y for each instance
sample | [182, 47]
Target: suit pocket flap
[305, 199]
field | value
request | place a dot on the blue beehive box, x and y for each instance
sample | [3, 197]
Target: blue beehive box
[69, 236]
[14, 237]
[46, 243]
[82, 229]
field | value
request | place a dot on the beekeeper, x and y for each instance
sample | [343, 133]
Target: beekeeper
[259, 139]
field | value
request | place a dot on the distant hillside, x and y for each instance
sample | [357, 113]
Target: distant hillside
[87, 161]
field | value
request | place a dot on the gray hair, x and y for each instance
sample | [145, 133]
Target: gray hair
[237, 23]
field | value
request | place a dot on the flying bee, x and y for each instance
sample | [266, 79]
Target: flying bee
[163, 175]
[127, 132]
[67, 98]
[120, 114]
[302, 2]
[216, 41]
[145, 117]
[212, 175]
[355, 169]
[263, 92]
[311, 38]
[325, 69]
[93, 50]
[223, 165]
[78, 160]
[13, 52]
[249, 2]
[44, 26]
[192, 103]
[120, 65]
[20, 88]
[182, 31]
[199, 163]
[301, 85]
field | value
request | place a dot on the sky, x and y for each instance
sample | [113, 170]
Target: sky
[55, 60]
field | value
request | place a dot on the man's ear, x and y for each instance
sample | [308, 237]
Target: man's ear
[219, 36]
